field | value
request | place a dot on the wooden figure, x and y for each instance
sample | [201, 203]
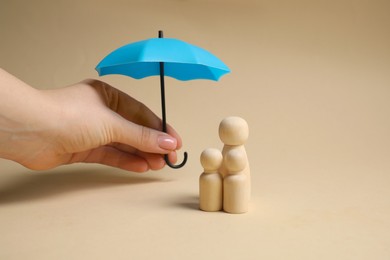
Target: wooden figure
[210, 181]
[235, 184]
[234, 132]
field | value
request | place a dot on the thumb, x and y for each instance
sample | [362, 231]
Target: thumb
[143, 138]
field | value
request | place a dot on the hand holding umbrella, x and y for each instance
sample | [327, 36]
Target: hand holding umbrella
[163, 56]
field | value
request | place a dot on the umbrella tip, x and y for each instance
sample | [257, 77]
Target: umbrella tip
[160, 34]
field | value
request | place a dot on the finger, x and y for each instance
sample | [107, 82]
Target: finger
[142, 115]
[131, 109]
[125, 105]
[172, 157]
[142, 138]
[110, 156]
[130, 149]
[171, 131]
[155, 161]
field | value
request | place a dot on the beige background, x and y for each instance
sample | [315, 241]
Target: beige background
[312, 78]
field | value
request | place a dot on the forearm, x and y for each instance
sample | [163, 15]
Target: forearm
[23, 113]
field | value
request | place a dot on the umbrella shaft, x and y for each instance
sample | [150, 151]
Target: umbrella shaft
[164, 117]
[162, 84]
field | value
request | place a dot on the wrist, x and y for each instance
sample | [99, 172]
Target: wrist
[25, 118]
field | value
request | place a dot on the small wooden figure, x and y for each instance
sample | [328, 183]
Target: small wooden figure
[235, 184]
[210, 181]
[234, 132]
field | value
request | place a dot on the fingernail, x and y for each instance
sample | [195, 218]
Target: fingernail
[167, 143]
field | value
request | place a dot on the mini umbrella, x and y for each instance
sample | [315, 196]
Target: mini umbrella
[164, 57]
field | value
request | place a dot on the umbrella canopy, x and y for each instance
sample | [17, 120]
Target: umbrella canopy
[164, 57]
[182, 61]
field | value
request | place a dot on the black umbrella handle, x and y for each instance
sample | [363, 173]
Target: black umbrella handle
[176, 166]
[164, 117]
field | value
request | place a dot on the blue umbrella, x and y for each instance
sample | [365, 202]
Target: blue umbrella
[164, 57]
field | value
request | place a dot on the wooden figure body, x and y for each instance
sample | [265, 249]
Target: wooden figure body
[234, 132]
[235, 183]
[210, 181]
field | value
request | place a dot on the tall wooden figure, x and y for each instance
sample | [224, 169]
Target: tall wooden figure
[210, 181]
[234, 132]
[235, 184]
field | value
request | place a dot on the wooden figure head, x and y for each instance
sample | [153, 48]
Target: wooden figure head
[211, 159]
[233, 131]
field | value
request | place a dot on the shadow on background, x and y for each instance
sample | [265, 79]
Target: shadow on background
[190, 202]
[35, 186]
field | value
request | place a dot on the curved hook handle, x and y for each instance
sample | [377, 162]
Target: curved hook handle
[176, 166]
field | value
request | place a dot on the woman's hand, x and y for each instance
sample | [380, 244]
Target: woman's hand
[88, 122]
